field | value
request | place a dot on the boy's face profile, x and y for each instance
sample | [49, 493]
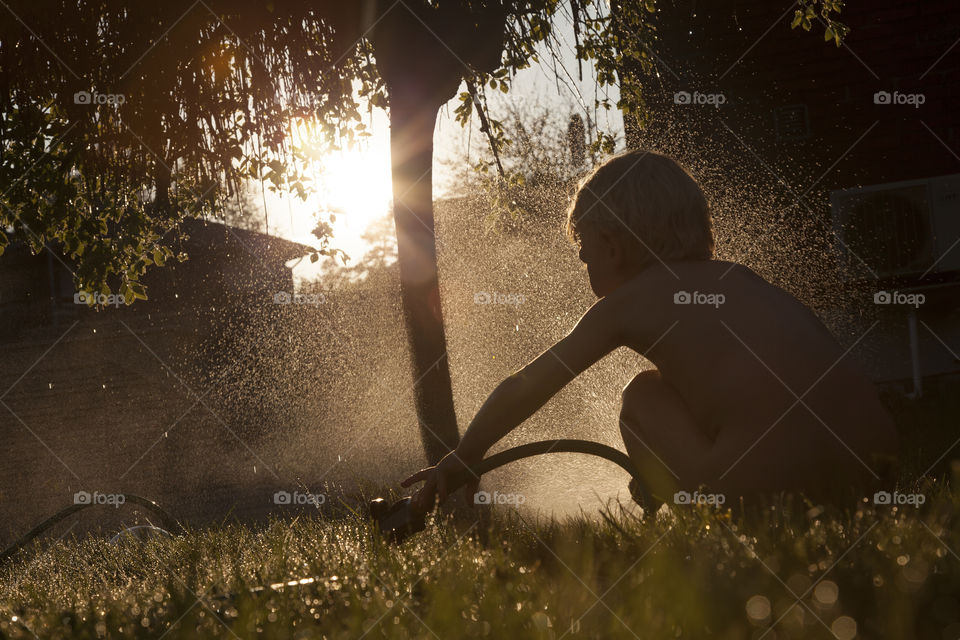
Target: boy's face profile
[605, 259]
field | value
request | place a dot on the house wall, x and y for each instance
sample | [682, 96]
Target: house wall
[747, 51]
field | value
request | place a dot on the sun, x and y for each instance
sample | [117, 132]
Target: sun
[352, 185]
[356, 187]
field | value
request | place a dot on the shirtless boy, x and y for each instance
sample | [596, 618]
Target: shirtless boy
[751, 394]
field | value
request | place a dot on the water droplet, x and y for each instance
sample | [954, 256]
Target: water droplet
[844, 627]
[826, 592]
[758, 608]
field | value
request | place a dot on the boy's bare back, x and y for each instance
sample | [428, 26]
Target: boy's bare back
[776, 397]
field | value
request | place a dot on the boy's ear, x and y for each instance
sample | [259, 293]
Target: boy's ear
[613, 247]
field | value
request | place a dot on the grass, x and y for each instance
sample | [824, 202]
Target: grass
[785, 571]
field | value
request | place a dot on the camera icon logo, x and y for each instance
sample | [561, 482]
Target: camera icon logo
[881, 97]
[481, 297]
[882, 297]
[882, 497]
[82, 97]
[681, 497]
[82, 497]
[82, 297]
[481, 497]
[281, 497]
[682, 97]
[682, 297]
[281, 297]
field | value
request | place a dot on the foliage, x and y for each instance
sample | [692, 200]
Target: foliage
[533, 174]
[694, 572]
[120, 119]
[822, 11]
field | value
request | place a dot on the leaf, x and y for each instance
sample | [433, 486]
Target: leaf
[314, 256]
[138, 290]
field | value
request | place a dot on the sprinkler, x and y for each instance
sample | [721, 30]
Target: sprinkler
[400, 519]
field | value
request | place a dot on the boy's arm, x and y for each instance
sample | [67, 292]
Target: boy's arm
[520, 395]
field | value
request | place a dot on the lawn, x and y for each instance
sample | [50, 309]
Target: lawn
[785, 571]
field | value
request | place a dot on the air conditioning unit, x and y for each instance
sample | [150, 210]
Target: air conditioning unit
[899, 229]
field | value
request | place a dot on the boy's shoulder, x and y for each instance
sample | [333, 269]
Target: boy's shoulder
[664, 292]
[678, 274]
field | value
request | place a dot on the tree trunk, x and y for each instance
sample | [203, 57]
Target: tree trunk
[411, 148]
[415, 47]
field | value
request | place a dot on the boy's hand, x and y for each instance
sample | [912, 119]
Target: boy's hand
[437, 479]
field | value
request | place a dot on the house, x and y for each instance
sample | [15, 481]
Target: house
[119, 398]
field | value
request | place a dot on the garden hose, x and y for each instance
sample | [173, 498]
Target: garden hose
[167, 520]
[400, 519]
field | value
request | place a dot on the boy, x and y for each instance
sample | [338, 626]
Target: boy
[751, 394]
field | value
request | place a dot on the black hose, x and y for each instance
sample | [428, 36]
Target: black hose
[167, 520]
[560, 446]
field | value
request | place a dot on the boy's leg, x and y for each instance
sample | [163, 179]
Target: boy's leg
[668, 448]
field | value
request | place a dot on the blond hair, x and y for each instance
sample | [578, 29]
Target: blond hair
[648, 200]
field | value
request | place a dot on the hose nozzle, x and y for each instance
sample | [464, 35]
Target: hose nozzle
[397, 520]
